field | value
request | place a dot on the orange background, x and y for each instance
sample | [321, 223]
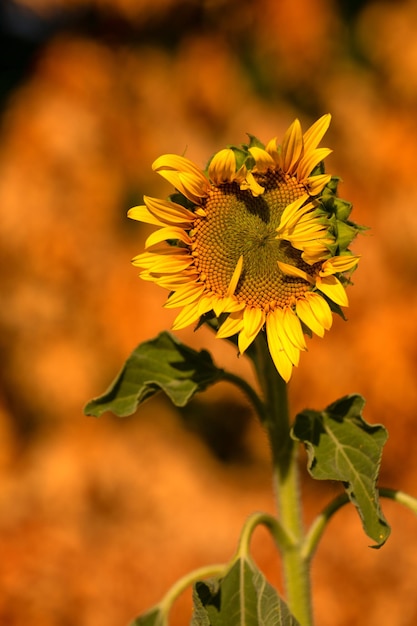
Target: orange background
[99, 517]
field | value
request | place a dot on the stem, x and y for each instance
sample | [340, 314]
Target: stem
[186, 581]
[401, 497]
[272, 523]
[318, 526]
[286, 483]
[247, 390]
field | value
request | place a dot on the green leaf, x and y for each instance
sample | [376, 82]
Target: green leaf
[342, 446]
[242, 598]
[161, 364]
[153, 617]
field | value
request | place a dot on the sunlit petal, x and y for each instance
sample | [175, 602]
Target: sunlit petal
[306, 315]
[169, 213]
[291, 147]
[165, 234]
[231, 326]
[142, 214]
[293, 328]
[316, 132]
[339, 264]
[235, 277]
[333, 289]
[296, 272]
[320, 308]
[186, 295]
[222, 167]
[278, 354]
[310, 160]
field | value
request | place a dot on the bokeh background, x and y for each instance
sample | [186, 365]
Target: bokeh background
[99, 517]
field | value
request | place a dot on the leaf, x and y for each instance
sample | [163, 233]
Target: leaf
[153, 617]
[342, 446]
[242, 598]
[161, 364]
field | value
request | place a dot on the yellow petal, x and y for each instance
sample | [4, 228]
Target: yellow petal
[249, 183]
[235, 278]
[272, 149]
[333, 289]
[170, 264]
[278, 354]
[316, 132]
[177, 281]
[293, 328]
[308, 229]
[310, 160]
[205, 304]
[183, 175]
[292, 352]
[231, 326]
[263, 159]
[339, 264]
[315, 252]
[164, 234]
[227, 304]
[253, 320]
[296, 272]
[222, 167]
[179, 164]
[292, 212]
[306, 315]
[292, 147]
[316, 184]
[185, 295]
[320, 309]
[192, 312]
[190, 186]
[142, 214]
[170, 213]
[187, 316]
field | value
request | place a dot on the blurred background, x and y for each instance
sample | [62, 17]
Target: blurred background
[99, 517]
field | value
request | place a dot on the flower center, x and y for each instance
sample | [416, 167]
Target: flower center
[237, 224]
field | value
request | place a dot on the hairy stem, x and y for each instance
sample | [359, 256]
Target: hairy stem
[286, 483]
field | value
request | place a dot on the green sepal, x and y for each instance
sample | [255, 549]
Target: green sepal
[342, 208]
[342, 446]
[254, 142]
[346, 233]
[243, 157]
[178, 198]
[318, 170]
[331, 187]
[338, 211]
[161, 364]
[242, 596]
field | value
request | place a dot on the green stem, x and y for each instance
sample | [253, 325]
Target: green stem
[401, 497]
[247, 390]
[186, 581]
[318, 526]
[286, 483]
[281, 538]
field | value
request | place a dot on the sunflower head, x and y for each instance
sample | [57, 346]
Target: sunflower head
[260, 240]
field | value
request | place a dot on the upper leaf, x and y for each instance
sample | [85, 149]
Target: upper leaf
[163, 363]
[153, 617]
[342, 446]
[242, 598]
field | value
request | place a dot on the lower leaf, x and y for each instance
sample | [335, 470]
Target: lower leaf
[243, 597]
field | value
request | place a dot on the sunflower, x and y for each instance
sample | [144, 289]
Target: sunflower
[259, 240]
